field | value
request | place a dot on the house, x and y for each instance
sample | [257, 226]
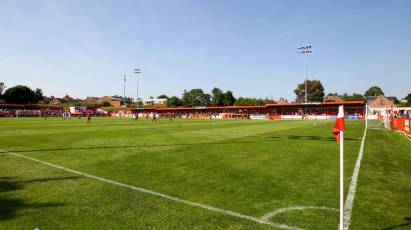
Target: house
[91, 100]
[114, 101]
[115, 104]
[45, 100]
[55, 101]
[59, 101]
[380, 104]
[156, 103]
[333, 98]
[67, 99]
[106, 98]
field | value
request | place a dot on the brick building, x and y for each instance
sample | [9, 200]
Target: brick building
[380, 104]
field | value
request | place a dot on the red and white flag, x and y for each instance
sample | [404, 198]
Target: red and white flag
[339, 123]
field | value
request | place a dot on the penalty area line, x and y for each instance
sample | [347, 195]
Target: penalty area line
[168, 197]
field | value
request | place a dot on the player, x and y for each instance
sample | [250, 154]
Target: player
[88, 118]
[171, 117]
[154, 118]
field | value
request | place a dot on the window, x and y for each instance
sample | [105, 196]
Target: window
[381, 102]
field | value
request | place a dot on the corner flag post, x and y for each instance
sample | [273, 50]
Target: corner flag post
[342, 180]
[338, 131]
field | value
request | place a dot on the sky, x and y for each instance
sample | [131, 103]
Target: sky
[83, 48]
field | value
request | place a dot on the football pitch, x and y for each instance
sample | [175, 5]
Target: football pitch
[197, 174]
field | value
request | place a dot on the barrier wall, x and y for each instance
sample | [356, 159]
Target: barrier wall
[291, 117]
[403, 124]
[317, 117]
[372, 117]
[243, 116]
[277, 117]
[258, 117]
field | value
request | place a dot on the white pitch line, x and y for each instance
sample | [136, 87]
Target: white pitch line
[282, 210]
[353, 185]
[176, 199]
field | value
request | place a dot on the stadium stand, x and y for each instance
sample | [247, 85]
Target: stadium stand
[294, 111]
[22, 110]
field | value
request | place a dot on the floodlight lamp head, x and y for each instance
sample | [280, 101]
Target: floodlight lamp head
[305, 47]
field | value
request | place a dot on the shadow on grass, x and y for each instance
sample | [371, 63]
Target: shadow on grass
[265, 139]
[317, 138]
[408, 222]
[10, 205]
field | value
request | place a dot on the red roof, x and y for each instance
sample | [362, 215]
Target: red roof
[343, 102]
[214, 107]
[238, 107]
[283, 104]
[255, 107]
[322, 103]
[182, 108]
[30, 106]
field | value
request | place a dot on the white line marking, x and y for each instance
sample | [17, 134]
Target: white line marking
[176, 199]
[353, 186]
[267, 216]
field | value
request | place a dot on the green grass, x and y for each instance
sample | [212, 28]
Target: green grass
[249, 167]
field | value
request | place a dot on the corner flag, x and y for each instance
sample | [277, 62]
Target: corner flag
[338, 131]
[339, 125]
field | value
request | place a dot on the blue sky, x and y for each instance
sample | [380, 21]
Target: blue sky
[83, 48]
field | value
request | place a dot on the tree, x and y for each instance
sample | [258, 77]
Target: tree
[357, 97]
[353, 97]
[241, 101]
[268, 100]
[151, 100]
[140, 102]
[282, 101]
[217, 97]
[408, 99]
[228, 98]
[162, 96]
[2, 87]
[174, 102]
[315, 91]
[105, 104]
[374, 91]
[196, 97]
[21, 94]
[38, 95]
